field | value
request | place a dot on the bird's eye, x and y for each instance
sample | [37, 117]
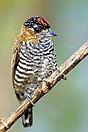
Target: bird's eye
[37, 29]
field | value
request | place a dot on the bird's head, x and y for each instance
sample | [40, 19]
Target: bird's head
[38, 28]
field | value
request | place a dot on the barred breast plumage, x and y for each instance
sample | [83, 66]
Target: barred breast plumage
[34, 59]
[36, 63]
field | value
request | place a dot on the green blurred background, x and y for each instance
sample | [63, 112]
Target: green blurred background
[65, 108]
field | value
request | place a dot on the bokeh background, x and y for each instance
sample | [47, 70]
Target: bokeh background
[65, 108]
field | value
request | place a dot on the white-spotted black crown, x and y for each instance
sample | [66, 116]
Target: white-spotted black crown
[41, 22]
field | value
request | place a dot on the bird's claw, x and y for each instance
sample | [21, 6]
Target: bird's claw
[29, 97]
[64, 77]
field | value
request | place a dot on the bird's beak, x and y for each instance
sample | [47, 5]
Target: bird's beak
[50, 34]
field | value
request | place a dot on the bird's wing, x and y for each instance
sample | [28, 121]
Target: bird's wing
[15, 57]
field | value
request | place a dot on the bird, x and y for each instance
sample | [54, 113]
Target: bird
[33, 60]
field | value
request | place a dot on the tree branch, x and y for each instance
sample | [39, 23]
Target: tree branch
[47, 85]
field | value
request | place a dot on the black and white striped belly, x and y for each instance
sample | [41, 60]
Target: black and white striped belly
[36, 63]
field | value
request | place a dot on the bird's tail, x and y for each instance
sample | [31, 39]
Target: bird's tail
[27, 118]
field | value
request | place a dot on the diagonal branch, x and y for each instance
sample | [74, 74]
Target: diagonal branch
[47, 85]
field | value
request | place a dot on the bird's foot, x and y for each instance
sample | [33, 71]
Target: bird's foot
[29, 97]
[64, 77]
